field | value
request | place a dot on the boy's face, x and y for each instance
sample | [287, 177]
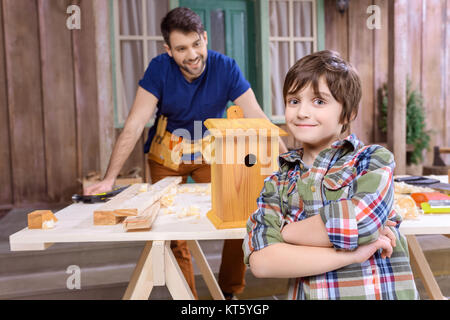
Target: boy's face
[314, 120]
[189, 52]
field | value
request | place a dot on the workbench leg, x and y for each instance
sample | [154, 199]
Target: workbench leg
[141, 283]
[205, 270]
[175, 281]
[425, 273]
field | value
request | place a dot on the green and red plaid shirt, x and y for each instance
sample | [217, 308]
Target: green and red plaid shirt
[351, 186]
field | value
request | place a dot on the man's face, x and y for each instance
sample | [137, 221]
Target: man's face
[314, 120]
[189, 52]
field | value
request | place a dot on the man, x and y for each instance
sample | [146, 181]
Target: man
[188, 83]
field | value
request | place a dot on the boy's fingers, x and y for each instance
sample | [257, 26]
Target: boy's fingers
[390, 223]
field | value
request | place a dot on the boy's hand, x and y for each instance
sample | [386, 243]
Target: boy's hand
[364, 252]
[387, 232]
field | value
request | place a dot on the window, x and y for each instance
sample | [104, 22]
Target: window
[293, 34]
[285, 31]
[137, 39]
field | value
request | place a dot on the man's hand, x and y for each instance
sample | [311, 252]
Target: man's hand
[100, 187]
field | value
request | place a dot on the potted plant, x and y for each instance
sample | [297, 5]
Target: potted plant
[417, 137]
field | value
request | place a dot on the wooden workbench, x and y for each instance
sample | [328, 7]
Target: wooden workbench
[157, 265]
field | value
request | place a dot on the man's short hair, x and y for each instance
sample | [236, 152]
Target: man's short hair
[181, 19]
[341, 77]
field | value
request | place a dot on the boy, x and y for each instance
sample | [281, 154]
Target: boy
[323, 217]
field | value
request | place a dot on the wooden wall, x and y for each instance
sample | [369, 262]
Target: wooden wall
[428, 42]
[49, 121]
[50, 114]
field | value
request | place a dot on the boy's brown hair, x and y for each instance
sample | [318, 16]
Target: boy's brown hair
[181, 19]
[341, 77]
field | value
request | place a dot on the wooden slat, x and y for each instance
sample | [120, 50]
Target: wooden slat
[380, 67]
[447, 81]
[432, 71]
[415, 11]
[397, 83]
[361, 56]
[58, 99]
[24, 100]
[84, 68]
[336, 29]
[6, 194]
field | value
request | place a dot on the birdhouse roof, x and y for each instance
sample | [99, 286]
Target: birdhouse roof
[243, 126]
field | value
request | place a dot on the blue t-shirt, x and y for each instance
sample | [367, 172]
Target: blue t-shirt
[183, 102]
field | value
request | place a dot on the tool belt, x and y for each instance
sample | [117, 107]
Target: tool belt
[170, 150]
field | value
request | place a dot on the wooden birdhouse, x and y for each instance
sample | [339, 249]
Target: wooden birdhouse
[245, 152]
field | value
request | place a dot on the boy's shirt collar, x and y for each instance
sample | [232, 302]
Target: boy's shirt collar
[351, 142]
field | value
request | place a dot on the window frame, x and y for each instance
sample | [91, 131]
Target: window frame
[116, 39]
[318, 40]
[263, 88]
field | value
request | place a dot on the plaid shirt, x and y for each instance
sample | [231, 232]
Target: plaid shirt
[350, 185]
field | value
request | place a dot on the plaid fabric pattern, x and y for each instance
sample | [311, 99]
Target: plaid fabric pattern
[351, 186]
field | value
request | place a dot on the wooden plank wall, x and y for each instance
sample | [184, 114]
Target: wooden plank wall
[49, 123]
[428, 60]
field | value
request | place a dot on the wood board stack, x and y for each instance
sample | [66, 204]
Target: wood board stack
[137, 206]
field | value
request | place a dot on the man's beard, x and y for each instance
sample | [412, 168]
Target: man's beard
[194, 72]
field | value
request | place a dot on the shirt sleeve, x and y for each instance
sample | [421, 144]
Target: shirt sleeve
[238, 84]
[264, 225]
[151, 81]
[355, 221]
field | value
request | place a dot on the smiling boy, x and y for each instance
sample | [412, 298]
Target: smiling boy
[325, 219]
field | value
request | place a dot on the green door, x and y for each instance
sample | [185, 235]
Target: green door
[229, 24]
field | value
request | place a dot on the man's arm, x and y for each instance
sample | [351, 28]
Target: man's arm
[247, 101]
[143, 107]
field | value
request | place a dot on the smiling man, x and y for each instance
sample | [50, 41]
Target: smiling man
[187, 84]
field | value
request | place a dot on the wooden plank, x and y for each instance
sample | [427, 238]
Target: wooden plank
[446, 158]
[6, 191]
[397, 83]
[85, 77]
[132, 201]
[58, 100]
[361, 56]
[380, 67]
[432, 72]
[24, 100]
[143, 221]
[414, 58]
[105, 102]
[336, 29]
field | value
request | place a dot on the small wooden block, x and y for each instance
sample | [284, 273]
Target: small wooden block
[41, 219]
[106, 218]
[138, 223]
[144, 221]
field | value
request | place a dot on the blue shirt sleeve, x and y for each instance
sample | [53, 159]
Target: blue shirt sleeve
[238, 84]
[151, 81]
